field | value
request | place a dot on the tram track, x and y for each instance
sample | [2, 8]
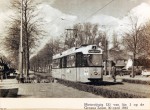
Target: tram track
[110, 89]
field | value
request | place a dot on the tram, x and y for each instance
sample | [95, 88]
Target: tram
[83, 64]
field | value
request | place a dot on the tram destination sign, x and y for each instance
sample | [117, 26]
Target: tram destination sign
[94, 51]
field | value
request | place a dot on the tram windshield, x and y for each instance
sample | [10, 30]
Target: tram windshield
[88, 60]
[94, 60]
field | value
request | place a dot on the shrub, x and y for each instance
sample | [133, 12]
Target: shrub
[99, 90]
[136, 81]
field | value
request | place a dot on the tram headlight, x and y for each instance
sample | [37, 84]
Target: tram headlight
[95, 73]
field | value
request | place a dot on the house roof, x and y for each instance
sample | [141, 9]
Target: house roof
[121, 63]
[115, 54]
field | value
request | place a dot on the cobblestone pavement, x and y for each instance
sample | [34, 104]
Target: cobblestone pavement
[45, 90]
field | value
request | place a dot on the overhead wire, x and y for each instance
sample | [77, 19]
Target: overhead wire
[88, 16]
[99, 10]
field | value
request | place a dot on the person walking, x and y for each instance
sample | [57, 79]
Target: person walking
[18, 78]
[1, 73]
[114, 71]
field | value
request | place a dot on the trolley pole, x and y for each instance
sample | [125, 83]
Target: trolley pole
[21, 46]
[74, 31]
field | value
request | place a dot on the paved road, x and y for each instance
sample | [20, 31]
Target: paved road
[46, 90]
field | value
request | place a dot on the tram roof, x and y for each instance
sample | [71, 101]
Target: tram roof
[83, 49]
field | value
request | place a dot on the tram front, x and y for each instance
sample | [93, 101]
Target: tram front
[92, 64]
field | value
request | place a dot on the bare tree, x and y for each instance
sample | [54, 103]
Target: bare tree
[43, 59]
[115, 42]
[134, 40]
[31, 30]
[146, 36]
[86, 33]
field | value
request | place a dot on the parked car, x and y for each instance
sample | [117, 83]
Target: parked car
[146, 72]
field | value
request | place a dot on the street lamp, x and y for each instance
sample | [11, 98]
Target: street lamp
[21, 46]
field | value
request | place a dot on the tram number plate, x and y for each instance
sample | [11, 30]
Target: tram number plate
[94, 51]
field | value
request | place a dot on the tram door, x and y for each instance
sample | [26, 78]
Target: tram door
[80, 67]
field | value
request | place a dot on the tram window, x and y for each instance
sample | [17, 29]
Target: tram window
[60, 64]
[71, 61]
[81, 60]
[56, 63]
[88, 60]
[84, 61]
[94, 60]
[64, 62]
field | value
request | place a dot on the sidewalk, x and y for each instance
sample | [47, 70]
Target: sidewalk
[138, 77]
[8, 81]
[45, 90]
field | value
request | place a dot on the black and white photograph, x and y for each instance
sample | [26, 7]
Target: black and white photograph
[75, 49]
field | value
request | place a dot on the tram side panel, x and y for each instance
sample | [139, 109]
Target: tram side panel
[56, 70]
[56, 73]
[82, 74]
[70, 74]
[70, 67]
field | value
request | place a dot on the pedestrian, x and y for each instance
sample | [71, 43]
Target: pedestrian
[1, 73]
[114, 71]
[18, 78]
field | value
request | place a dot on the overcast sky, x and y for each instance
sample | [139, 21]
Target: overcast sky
[84, 8]
[114, 14]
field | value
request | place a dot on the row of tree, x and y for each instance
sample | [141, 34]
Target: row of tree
[86, 33]
[136, 41]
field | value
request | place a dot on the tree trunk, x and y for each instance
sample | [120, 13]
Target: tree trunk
[24, 61]
[27, 40]
[132, 74]
[27, 61]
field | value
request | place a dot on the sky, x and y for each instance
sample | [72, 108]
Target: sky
[59, 15]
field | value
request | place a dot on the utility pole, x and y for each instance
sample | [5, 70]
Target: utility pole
[21, 46]
[106, 57]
